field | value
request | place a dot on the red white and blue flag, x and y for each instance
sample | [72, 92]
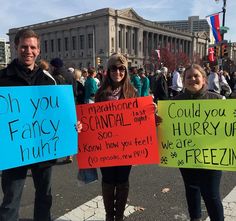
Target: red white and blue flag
[214, 22]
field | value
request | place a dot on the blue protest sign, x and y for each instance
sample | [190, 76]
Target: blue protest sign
[37, 123]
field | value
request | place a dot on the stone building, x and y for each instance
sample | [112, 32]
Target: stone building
[4, 52]
[80, 39]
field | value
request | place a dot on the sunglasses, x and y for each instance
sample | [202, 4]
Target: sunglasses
[115, 68]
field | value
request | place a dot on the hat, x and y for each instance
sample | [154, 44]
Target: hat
[117, 59]
[71, 70]
[56, 62]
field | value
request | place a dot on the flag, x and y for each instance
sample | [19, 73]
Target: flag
[158, 54]
[211, 56]
[214, 22]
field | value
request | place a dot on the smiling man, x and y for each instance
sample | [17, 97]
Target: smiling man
[22, 71]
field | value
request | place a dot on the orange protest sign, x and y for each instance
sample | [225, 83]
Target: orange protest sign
[120, 132]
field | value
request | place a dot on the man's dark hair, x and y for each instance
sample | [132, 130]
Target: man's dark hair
[26, 33]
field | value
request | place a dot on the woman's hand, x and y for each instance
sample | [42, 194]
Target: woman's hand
[158, 120]
[78, 126]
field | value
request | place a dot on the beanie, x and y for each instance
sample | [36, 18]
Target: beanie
[56, 62]
[117, 59]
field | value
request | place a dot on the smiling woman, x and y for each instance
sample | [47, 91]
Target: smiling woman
[115, 180]
[200, 182]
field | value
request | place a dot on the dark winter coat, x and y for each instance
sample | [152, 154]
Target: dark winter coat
[202, 94]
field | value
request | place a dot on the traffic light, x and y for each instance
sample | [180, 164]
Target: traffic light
[224, 50]
[98, 60]
[217, 51]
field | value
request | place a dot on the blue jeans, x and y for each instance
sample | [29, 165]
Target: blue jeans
[13, 181]
[86, 176]
[205, 183]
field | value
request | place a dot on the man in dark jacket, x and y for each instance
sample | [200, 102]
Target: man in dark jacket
[161, 91]
[61, 75]
[23, 72]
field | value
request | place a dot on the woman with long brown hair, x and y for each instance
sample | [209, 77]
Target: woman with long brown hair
[115, 180]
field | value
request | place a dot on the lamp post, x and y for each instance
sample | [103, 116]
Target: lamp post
[224, 11]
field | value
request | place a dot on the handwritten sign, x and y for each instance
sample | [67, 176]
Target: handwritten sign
[37, 124]
[119, 132]
[198, 134]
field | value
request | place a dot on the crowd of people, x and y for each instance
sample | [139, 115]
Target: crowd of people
[117, 82]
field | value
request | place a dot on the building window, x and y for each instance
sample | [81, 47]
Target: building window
[90, 40]
[66, 44]
[133, 41]
[46, 46]
[112, 43]
[59, 44]
[52, 45]
[81, 41]
[73, 42]
[119, 39]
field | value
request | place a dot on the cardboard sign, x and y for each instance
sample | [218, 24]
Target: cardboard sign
[198, 134]
[116, 133]
[37, 124]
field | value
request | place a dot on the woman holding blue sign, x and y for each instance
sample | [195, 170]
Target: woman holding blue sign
[115, 180]
[200, 182]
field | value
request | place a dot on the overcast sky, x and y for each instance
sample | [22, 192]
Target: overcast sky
[17, 13]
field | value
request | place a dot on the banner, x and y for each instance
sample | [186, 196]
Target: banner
[37, 124]
[198, 134]
[117, 133]
[211, 56]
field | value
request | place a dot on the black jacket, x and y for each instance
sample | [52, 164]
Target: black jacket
[17, 75]
[202, 94]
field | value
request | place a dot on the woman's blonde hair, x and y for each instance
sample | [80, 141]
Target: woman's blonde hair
[43, 64]
[77, 74]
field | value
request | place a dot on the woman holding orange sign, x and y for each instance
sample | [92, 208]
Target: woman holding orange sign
[115, 180]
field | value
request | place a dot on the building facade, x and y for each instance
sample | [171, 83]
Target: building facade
[80, 39]
[4, 52]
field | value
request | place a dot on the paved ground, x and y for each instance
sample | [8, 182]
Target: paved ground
[93, 210]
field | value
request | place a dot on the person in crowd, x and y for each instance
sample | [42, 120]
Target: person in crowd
[161, 91]
[115, 180]
[80, 92]
[225, 88]
[145, 84]
[43, 64]
[233, 83]
[177, 84]
[214, 81]
[84, 75]
[63, 77]
[90, 86]
[153, 78]
[23, 71]
[200, 182]
[135, 79]
[61, 74]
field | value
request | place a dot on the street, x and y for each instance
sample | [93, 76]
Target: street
[156, 193]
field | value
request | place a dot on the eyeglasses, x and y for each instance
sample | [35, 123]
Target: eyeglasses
[115, 68]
